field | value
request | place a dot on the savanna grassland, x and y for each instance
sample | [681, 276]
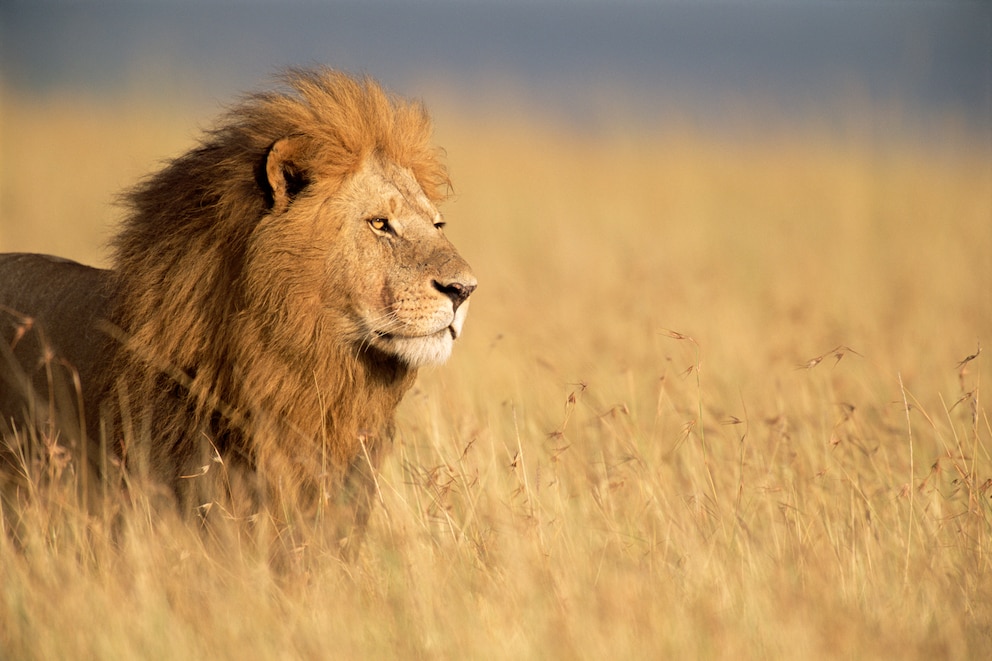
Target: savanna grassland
[716, 399]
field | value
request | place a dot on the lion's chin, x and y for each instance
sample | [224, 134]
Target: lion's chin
[419, 351]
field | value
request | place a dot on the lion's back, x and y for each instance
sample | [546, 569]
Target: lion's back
[51, 334]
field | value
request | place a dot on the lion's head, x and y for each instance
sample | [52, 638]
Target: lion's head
[389, 279]
[310, 217]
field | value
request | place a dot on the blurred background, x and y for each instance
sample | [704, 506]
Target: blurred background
[797, 57]
[882, 69]
[791, 57]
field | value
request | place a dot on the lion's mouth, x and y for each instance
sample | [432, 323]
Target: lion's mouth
[382, 335]
[417, 348]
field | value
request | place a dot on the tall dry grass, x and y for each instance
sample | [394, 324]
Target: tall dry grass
[714, 401]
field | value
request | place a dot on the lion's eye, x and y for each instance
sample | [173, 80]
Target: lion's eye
[440, 225]
[380, 225]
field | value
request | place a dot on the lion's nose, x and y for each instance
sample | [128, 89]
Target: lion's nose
[458, 292]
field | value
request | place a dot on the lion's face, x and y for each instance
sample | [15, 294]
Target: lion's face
[393, 278]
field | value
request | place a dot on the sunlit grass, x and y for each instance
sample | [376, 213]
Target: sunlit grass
[712, 401]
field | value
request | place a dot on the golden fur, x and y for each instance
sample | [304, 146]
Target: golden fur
[276, 289]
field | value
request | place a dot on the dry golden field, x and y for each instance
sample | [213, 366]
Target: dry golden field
[714, 400]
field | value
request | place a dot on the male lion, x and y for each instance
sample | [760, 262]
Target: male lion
[273, 292]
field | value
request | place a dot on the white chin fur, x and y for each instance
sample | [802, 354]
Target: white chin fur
[459, 320]
[421, 351]
[426, 350]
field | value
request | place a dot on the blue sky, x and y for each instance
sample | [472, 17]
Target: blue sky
[923, 58]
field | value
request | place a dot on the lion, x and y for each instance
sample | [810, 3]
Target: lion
[273, 293]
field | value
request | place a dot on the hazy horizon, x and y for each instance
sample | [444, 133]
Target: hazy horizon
[919, 60]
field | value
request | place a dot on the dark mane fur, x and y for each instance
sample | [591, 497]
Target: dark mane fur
[221, 358]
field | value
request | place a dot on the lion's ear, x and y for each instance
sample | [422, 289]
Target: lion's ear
[284, 173]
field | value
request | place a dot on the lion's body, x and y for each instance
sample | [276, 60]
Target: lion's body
[58, 304]
[273, 293]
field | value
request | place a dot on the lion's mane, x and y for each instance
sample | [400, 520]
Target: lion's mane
[225, 353]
